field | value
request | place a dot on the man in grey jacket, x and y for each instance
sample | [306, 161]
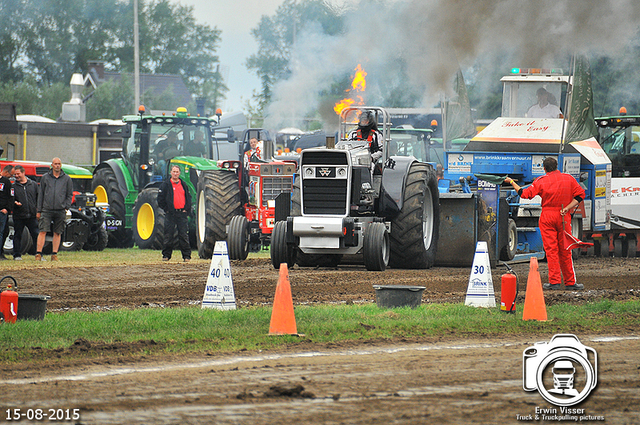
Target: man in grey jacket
[24, 210]
[54, 199]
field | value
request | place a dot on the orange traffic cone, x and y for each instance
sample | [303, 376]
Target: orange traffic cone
[283, 320]
[534, 308]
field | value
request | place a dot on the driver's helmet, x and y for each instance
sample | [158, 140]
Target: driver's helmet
[367, 121]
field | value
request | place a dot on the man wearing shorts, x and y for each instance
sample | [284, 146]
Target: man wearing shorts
[54, 199]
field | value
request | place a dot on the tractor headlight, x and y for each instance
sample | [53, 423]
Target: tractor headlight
[342, 172]
[309, 172]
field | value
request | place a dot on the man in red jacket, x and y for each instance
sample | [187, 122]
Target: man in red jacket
[174, 199]
[560, 193]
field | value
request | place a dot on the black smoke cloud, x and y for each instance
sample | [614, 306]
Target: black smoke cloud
[433, 38]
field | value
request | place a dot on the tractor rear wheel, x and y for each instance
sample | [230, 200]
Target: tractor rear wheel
[238, 238]
[148, 221]
[376, 247]
[414, 231]
[218, 195]
[281, 252]
[105, 186]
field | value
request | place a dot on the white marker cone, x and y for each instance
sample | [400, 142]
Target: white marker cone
[480, 290]
[218, 293]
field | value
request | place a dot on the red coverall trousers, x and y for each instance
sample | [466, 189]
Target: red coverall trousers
[558, 258]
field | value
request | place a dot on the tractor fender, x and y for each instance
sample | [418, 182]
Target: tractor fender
[116, 167]
[394, 175]
[151, 185]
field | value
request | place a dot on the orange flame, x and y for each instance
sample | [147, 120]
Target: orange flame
[358, 85]
[359, 82]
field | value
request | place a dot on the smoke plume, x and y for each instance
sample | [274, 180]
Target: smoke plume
[431, 39]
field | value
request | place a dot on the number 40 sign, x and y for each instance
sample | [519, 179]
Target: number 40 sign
[218, 293]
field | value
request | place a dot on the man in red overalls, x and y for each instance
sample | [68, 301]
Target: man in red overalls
[560, 193]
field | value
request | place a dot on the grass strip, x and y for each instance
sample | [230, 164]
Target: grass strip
[192, 329]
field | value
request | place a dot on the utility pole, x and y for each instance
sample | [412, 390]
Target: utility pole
[136, 58]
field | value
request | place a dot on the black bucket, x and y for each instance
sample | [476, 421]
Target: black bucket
[391, 296]
[32, 307]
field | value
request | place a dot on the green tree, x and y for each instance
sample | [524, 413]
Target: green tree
[11, 41]
[24, 94]
[112, 99]
[276, 36]
[176, 44]
[46, 41]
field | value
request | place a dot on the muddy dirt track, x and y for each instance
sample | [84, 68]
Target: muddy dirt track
[178, 284]
[434, 380]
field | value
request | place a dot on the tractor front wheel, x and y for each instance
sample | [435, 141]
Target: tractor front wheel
[376, 247]
[238, 238]
[281, 252]
[148, 220]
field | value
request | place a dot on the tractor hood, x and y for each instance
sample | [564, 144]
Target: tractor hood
[536, 135]
[519, 135]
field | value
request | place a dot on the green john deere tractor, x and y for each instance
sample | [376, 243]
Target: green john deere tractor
[151, 145]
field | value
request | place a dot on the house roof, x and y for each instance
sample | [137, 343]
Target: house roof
[158, 84]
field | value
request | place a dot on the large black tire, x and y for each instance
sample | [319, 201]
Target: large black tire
[70, 246]
[280, 251]
[238, 238]
[414, 231]
[376, 247]
[602, 247]
[105, 186]
[218, 201]
[75, 234]
[97, 241]
[148, 221]
[27, 241]
[509, 250]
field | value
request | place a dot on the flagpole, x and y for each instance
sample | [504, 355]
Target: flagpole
[567, 102]
[136, 57]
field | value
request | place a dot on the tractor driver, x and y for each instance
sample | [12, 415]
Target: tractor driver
[544, 108]
[196, 146]
[255, 150]
[368, 130]
[167, 148]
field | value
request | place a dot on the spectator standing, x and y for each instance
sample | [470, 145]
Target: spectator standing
[6, 201]
[54, 199]
[25, 210]
[174, 199]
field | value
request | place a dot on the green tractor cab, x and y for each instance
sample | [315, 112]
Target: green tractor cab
[151, 145]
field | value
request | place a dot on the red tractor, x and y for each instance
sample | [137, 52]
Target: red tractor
[261, 182]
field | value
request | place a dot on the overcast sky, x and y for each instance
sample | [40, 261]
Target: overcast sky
[235, 18]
